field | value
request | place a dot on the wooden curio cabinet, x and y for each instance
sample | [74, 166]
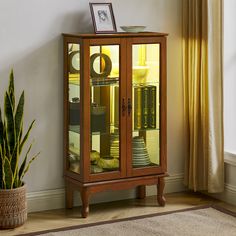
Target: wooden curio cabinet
[114, 114]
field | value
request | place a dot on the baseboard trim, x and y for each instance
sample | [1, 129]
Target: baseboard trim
[45, 200]
[55, 199]
[230, 158]
[229, 194]
[230, 188]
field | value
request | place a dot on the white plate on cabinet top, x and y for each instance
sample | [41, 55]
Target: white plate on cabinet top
[133, 29]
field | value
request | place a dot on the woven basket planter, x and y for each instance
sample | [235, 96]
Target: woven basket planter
[13, 207]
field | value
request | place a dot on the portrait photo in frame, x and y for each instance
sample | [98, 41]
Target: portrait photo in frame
[103, 18]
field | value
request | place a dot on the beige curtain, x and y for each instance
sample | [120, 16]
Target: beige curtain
[203, 94]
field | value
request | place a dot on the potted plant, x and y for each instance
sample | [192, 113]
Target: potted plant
[13, 206]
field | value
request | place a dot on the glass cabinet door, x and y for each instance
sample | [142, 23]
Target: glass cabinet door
[145, 103]
[74, 108]
[104, 109]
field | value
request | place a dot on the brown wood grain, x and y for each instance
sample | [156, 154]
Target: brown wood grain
[163, 109]
[129, 117]
[116, 35]
[85, 114]
[141, 192]
[127, 176]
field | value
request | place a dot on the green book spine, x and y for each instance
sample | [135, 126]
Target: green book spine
[145, 107]
[152, 107]
[137, 107]
[116, 107]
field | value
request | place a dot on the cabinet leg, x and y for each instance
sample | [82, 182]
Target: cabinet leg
[160, 189]
[141, 192]
[84, 193]
[69, 196]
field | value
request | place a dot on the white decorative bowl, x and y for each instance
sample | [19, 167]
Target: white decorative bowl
[140, 73]
[133, 29]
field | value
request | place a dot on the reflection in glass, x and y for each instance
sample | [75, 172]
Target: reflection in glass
[74, 107]
[104, 80]
[145, 116]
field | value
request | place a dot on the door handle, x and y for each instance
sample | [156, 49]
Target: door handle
[123, 107]
[129, 106]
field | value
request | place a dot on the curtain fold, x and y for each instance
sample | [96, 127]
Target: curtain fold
[203, 96]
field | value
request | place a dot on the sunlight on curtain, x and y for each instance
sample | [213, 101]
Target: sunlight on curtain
[202, 80]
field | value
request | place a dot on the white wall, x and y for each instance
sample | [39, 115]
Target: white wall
[229, 75]
[31, 43]
[229, 195]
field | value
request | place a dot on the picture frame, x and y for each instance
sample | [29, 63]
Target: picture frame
[103, 18]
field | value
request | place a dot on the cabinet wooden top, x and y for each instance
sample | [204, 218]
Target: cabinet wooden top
[115, 35]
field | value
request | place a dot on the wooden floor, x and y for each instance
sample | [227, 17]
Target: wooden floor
[114, 210]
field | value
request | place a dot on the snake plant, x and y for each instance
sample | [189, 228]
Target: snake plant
[12, 140]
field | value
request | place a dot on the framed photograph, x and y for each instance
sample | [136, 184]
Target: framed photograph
[103, 17]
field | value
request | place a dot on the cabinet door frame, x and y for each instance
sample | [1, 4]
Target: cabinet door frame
[162, 168]
[67, 172]
[121, 173]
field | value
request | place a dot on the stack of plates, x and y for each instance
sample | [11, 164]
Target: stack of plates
[115, 146]
[140, 154]
[133, 28]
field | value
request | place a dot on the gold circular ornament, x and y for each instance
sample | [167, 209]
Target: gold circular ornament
[107, 68]
[74, 62]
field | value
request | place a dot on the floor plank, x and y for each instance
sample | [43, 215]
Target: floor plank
[113, 210]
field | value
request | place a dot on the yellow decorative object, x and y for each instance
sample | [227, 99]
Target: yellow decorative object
[115, 71]
[142, 55]
[74, 150]
[105, 50]
[94, 156]
[74, 79]
[108, 162]
[139, 73]
[106, 69]
[75, 167]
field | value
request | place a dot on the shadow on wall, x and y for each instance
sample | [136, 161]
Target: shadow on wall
[40, 74]
[83, 21]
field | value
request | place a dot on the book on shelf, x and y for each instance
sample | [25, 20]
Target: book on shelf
[145, 107]
[152, 106]
[116, 107]
[137, 107]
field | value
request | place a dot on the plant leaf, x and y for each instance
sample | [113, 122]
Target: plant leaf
[5, 146]
[1, 128]
[20, 134]
[28, 165]
[11, 89]
[14, 165]
[26, 136]
[1, 167]
[10, 126]
[12, 140]
[24, 162]
[19, 116]
[1, 151]
[8, 176]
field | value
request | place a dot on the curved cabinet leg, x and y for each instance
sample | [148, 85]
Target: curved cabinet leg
[141, 192]
[69, 196]
[160, 189]
[84, 193]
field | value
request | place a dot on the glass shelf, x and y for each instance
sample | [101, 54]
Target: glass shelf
[76, 129]
[146, 129]
[143, 166]
[115, 84]
[99, 82]
[111, 83]
[108, 81]
[145, 83]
